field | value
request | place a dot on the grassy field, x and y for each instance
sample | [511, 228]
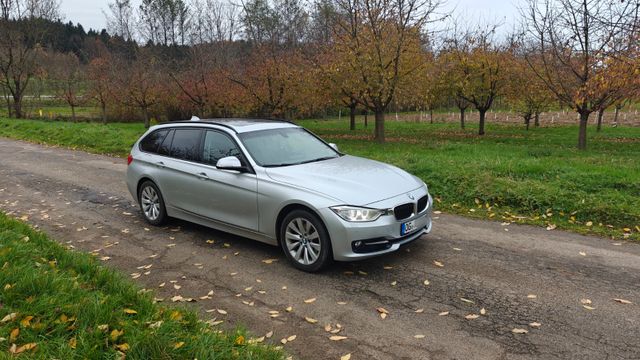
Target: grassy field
[536, 176]
[60, 304]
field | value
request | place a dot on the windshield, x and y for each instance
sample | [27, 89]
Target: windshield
[284, 147]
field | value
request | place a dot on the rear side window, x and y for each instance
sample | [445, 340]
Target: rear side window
[152, 141]
[216, 146]
[185, 144]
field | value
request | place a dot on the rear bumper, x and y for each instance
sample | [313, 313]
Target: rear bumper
[374, 238]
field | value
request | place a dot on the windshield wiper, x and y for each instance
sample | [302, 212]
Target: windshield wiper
[301, 162]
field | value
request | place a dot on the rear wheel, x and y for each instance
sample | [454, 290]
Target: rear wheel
[152, 204]
[305, 241]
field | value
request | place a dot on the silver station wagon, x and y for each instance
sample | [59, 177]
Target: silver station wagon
[276, 182]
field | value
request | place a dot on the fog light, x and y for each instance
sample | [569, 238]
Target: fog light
[357, 244]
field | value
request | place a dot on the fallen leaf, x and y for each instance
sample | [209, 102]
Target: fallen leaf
[8, 318]
[582, 253]
[483, 311]
[337, 338]
[311, 320]
[269, 334]
[309, 301]
[239, 340]
[178, 345]
[467, 301]
[14, 334]
[130, 311]
[220, 311]
[551, 227]
[444, 313]
[269, 261]
[585, 301]
[588, 307]
[394, 283]
[532, 296]
[26, 322]
[519, 331]
[535, 324]
[345, 356]
[419, 336]
[115, 334]
[426, 282]
[472, 316]
[419, 311]
[289, 309]
[438, 263]
[623, 301]
[123, 347]
[387, 267]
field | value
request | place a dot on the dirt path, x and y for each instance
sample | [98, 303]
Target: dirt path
[81, 200]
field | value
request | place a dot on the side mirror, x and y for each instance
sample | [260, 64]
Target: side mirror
[334, 146]
[230, 163]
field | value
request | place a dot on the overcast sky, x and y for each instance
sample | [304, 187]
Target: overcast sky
[89, 13]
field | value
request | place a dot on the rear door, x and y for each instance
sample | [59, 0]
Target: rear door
[223, 195]
[179, 181]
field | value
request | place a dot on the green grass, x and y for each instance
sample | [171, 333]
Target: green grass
[536, 176]
[70, 307]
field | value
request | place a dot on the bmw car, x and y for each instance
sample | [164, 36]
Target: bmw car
[276, 182]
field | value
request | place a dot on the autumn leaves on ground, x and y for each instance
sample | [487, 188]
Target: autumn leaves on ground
[62, 303]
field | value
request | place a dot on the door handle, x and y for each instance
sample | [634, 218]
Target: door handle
[160, 164]
[203, 175]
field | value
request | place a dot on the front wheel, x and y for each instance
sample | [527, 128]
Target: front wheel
[152, 204]
[305, 241]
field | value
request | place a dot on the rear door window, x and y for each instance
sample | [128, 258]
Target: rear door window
[186, 144]
[218, 145]
[152, 142]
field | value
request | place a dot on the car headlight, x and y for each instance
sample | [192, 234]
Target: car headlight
[358, 214]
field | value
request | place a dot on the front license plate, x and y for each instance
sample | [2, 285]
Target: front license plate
[407, 227]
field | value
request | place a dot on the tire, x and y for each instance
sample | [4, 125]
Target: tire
[152, 204]
[305, 241]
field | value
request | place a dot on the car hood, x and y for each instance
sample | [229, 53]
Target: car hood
[351, 180]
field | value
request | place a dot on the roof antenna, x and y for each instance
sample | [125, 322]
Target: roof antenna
[194, 118]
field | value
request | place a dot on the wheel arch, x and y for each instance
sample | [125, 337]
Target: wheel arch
[297, 206]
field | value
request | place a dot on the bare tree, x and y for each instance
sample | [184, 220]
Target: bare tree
[120, 20]
[578, 42]
[68, 76]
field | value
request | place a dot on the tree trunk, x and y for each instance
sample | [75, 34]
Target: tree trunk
[17, 107]
[366, 118]
[462, 113]
[582, 134]
[615, 116]
[431, 116]
[536, 119]
[103, 106]
[527, 120]
[352, 115]
[145, 113]
[481, 128]
[73, 113]
[600, 115]
[379, 128]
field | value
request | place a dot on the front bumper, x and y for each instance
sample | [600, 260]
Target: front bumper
[377, 237]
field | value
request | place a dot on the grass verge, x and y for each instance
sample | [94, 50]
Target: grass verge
[534, 177]
[57, 303]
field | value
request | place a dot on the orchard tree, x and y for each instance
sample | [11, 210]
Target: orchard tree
[140, 84]
[69, 77]
[477, 69]
[379, 41]
[100, 74]
[525, 92]
[577, 42]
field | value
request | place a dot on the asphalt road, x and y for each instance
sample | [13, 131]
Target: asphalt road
[517, 274]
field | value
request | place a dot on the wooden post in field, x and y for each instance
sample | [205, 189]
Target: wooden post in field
[339, 114]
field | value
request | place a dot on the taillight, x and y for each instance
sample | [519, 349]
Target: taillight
[129, 159]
